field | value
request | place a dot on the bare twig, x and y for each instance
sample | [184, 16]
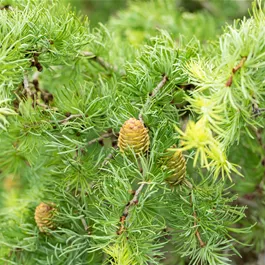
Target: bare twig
[84, 223]
[197, 233]
[262, 144]
[38, 103]
[69, 118]
[105, 135]
[98, 139]
[159, 86]
[35, 80]
[153, 94]
[248, 202]
[102, 62]
[132, 202]
[108, 158]
[202, 244]
[6, 7]
[234, 70]
[35, 62]
[26, 85]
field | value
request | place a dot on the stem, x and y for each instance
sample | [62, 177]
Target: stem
[70, 117]
[187, 183]
[153, 94]
[234, 70]
[35, 62]
[84, 223]
[132, 202]
[6, 7]
[197, 233]
[26, 85]
[102, 62]
[105, 135]
[108, 158]
[262, 144]
[202, 244]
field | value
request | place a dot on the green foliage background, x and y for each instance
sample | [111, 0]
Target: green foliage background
[95, 77]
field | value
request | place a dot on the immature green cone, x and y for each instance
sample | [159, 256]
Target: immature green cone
[133, 135]
[43, 216]
[176, 163]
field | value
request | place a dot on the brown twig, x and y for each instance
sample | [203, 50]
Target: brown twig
[35, 62]
[102, 62]
[86, 227]
[26, 86]
[234, 70]
[45, 95]
[202, 244]
[109, 157]
[9, 255]
[132, 202]
[105, 135]
[262, 144]
[98, 139]
[197, 233]
[159, 86]
[248, 202]
[153, 94]
[72, 116]
[6, 7]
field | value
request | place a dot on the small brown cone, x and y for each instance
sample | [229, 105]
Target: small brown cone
[133, 135]
[43, 216]
[176, 163]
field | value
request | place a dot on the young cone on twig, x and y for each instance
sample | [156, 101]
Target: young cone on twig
[133, 136]
[43, 216]
[176, 163]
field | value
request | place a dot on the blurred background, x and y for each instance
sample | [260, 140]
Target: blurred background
[99, 11]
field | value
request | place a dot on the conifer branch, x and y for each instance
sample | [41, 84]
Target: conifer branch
[153, 94]
[125, 213]
[107, 66]
[234, 70]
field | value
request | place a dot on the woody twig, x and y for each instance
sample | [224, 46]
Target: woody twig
[107, 66]
[229, 82]
[132, 202]
[153, 94]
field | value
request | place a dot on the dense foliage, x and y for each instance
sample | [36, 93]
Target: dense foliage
[187, 189]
